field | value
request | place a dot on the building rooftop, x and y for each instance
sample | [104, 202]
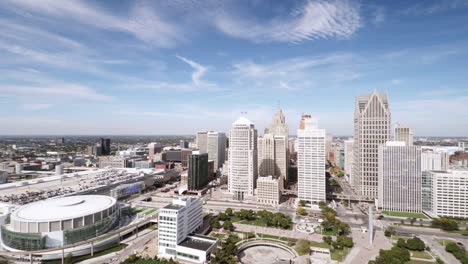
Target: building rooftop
[173, 207]
[198, 244]
[243, 121]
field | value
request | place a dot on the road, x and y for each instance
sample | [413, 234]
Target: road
[137, 244]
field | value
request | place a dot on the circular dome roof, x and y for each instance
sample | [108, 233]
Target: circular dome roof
[63, 208]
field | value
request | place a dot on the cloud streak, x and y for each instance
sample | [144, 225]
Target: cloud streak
[314, 20]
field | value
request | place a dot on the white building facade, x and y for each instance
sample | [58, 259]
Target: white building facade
[216, 148]
[405, 134]
[372, 123]
[268, 190]
[446, 193]
[311, 161]
[202, 141]
[434, 160]
[242, 159]
[399, 177]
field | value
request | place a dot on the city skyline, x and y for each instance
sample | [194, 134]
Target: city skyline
[145, 68]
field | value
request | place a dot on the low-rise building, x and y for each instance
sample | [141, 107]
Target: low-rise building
[268, 190]
[113, 162]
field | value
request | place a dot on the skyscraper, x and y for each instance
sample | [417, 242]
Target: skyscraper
[105, 146]
[349, 157]
[371, 128]
[154, 151]
[399, 177]
[198, 171]
[405, 134]
[278, 125]
[216, 148]
[311, 161]
[242, 162]
[202, 141]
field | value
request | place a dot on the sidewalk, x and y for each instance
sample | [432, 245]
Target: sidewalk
[277, 232]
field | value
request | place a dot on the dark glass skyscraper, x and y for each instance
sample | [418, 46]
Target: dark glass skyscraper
[198, 171]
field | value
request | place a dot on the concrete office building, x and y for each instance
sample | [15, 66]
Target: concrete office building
[3, 176]
[372, 123]
[405, 134]
[269, 190]
[216, 148]
[154, 151]
[273, 156]
[311, 161]
[434, 160]
[198, 174]
[202, 141]
[242, 159]
[445, 193]
[399, 177]
[349, 158]
[177, 221]
[112, 162]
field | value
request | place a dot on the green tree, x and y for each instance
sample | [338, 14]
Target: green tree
[322, 204]
[223, 217]
[327, 239]
[345, 241]
[401, 243]
[390, 231]
[415, 244]
[446, 224]
[302, 203]
[229, 212]
[216, 224]
[68, 259]
[227, 225]
[396, 255]
[303, 247]
[301, 211]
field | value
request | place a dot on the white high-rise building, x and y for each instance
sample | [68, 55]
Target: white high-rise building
[349, 157]
[278, 125]
[311, 161]
[176, 225]
[176, 221]
[399, 177]
[216, 148]
[445, 193]
[202, 141]
[434, 160]
[372, 123]
[242, 159]
[272, 156]
[405, 134]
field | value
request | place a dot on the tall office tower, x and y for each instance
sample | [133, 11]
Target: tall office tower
[154, 151]
[278, 125]
[405, 134]
[198, 171]
[329, 154]
[202, 141]
[371, 128]
[311, 161]
[242, 162]
[266, 155]
[106, 146]
[399, 177]
[216, 148]
[291, 143]
[349, 157]
[434, 160]
[183, 144]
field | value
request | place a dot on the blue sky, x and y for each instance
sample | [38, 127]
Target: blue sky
[176, 67]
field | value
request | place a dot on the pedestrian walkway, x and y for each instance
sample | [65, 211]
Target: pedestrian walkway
[277, 232]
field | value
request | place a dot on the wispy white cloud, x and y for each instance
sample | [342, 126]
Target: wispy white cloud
[143, 22]
[425, 8]
[74, 91]
[314, 20]
[199, 70]
[396, 81]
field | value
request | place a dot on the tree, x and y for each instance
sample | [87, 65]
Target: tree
[401, 243]
[301, 211]
[216, 225]
[412, 220]
[345, 241]
[302, 203]
[327, 239]
[322, 204]
[390, 231]
[415, 244]
[229, 212]
[68, 259]
[227, 225]
[223, 217]
[396, 255]
[446, 224]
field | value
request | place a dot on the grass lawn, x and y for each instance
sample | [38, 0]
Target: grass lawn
[404, 214]
[217, 235]
[85, 257]
[444, 242]
[420, 254]
[150, 211]
[152, 227]
[339, 255]
[319, 244]
[259, 222]
[329, 233]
